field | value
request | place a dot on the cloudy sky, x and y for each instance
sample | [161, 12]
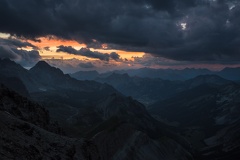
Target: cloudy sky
[116, 34]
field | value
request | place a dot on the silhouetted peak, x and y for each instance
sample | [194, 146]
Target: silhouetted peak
[42, 64]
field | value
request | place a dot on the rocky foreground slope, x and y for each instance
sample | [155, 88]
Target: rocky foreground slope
[27, 133]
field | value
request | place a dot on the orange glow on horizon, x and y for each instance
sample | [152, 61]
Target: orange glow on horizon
[124, 54]
[53, 42]
[50, 42]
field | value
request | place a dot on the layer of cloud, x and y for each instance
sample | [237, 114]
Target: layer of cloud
[15, 43]
[88, 53]
[11, 48]
[211, 31]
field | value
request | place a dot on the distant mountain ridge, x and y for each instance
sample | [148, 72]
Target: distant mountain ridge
[85, 75]
[166, 74]
[42, 77]
[150, 90]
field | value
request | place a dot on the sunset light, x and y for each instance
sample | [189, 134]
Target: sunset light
[120, 80]
[48, 46]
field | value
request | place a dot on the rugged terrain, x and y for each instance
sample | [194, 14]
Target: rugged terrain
[208, 116]
[27, 132]
[46, 114]
[95, 122]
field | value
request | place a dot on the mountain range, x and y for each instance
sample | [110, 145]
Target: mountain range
[93, 111]
[150, 90]
[46, 114]
[165, 74]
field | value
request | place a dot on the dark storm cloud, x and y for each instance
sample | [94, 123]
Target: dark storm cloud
[11, 48]
[15, 43]
[25, 58]
[153, 26]
[88, 53]
[212, 34]
[28, 56]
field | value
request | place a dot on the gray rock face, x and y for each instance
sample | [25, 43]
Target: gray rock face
[23, 140]
[27, 134]
[21, 108]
